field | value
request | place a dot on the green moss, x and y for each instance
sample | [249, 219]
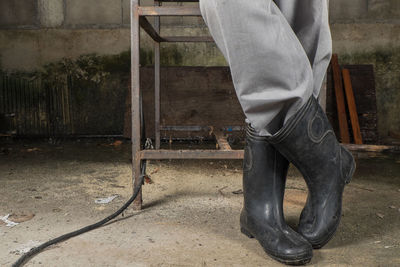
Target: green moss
[171, 55]
[93, 70]
[146, 57]
[117, 63]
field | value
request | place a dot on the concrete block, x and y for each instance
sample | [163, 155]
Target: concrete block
[93, 12]
[165, 21]
[395, 8]
[18, 13]
[347, 10]
[27, 50]
[383, 9]
[126, 12]
[51, 13]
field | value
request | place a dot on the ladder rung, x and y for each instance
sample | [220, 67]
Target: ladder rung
[191, 154]
[188, 39]
[168, 11]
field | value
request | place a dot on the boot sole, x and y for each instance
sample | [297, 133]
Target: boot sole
[295, 262]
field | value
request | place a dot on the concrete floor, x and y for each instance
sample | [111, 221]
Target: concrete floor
[190, 217]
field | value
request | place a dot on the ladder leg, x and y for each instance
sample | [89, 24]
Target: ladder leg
[157, 81]
[135, 101]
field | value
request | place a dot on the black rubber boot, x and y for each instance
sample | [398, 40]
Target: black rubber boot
[308, 141]
[264, 177]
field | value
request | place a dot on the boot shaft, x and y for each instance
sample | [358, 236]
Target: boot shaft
[264, 176]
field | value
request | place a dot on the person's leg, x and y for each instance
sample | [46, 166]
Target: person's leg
[308, 140]
[271, 72]
[264, 177]
[273, 79]
[309, 21]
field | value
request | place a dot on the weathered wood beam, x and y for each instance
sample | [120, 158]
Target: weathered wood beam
[222, 142]
[351, 104]
[341, 108]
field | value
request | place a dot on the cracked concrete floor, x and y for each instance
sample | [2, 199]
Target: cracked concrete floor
[190, 215]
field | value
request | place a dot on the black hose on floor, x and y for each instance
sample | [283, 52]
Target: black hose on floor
[36, 250]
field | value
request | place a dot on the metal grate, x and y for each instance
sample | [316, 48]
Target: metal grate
[31, 107]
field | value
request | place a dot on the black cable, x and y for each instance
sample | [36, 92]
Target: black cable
[36, 250]
[24, 258]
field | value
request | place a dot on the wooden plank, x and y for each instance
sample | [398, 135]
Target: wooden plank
[190, 96]
[341, 109]
[169, 11]
[222, 142]
[373, 148]
[351, 104]
[363, 83]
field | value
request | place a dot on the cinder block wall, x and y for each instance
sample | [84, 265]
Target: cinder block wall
[34, 33]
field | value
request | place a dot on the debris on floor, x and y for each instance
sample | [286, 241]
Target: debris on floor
[155, 171]
[181, 210]
[238, 192]
[220, 191]
[106, 200]
[148, 180]
[117, 143]
[7, 221]
[32, 149]
[25, 247]
[21, 217]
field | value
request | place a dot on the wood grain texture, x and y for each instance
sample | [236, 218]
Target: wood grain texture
[190, 96]
[363, 83]
[340, 101]
[351, 104]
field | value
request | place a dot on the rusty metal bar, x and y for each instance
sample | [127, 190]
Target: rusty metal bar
[154, 34]
[135, 100]
[157, 83]
[148, 28]
[222, 142]
[197, 128]
[187, 39]
[178, 1]
[238, 154]
[191, 154]
[169, 11]
[185, 128]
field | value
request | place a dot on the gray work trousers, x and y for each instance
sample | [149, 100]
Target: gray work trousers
[278, 52]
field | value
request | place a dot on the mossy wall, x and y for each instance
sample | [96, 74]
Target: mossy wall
[363, 32]
[387, 80]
